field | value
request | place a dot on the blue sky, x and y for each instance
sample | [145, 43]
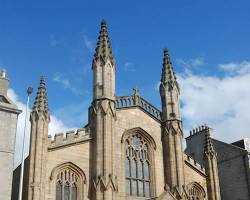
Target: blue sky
[208, 41]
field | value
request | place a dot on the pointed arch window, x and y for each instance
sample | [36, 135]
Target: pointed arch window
[196, 192]
[67, 185]
[137, 166]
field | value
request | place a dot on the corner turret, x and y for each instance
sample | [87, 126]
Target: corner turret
[102, 119]
[172, 134]
[40, 119]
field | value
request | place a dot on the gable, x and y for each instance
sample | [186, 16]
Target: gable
[135, 117]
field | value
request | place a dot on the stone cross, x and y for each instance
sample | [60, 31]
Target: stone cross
[136, 90]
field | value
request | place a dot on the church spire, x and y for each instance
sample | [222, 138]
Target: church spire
[103, 50]
[41, 101]
[168, 74]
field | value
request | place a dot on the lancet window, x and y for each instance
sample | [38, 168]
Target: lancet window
[67, 185]
[137, 166]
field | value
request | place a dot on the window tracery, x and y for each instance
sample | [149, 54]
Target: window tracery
[66, 185]
[196, 192]
[137, 166]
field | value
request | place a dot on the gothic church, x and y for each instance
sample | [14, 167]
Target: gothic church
[129, 149]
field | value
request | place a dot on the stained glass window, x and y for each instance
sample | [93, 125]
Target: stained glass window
[137, 166]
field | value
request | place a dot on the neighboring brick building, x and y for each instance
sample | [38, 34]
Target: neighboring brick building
[233, 164]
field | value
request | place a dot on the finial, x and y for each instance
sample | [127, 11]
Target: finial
[165, 51]
[103, 23]
[3, 73]
[42, 78]
[136, 90]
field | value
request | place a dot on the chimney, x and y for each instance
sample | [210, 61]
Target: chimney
[4, 82]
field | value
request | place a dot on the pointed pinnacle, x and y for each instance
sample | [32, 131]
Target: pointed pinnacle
[103, 49]
[208, 146]
[41, 101]
[168, 74]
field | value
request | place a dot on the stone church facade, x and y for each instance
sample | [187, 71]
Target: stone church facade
[128, 150]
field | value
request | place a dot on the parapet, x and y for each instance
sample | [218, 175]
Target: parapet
[195, 164]
[138, 101]
[69, 138]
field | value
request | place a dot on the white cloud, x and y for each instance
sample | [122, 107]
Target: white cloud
[222, 103]
[129, 67]
[239, 68]
[77, 113]
[89, 43]
[55, 126]
[66, 84]
[194, 62]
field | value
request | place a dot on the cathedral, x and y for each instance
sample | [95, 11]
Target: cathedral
[128, 150]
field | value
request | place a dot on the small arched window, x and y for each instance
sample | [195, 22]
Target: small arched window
[196, 191]
[69, 182]
[137, 166]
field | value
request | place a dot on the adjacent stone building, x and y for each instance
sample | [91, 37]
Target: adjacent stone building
[233, 163]
[8, 123]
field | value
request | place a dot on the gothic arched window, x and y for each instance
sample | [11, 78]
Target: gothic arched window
[68, 181]
[196, 191]
[137, 166]
[66, 185]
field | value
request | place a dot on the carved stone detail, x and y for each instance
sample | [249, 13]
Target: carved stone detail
[104, 183]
